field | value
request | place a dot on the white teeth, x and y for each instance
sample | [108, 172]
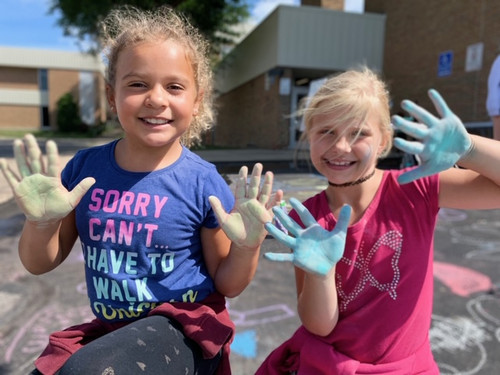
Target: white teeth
[156, 121]
[343, 164]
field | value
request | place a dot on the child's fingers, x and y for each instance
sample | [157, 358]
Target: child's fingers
[410, 147]
[254, 185]
[9, 175]
[275, 199]
[287, 221]
[303, 212]
[219, 211]
[79, 191]
[439, 103]
[414, 129]
[52, 159]
[343, 220]
[33, 154]
[280, 236]
[421, 114]
[241, 183]
[416, 173]
[20, 156]
[267, 188]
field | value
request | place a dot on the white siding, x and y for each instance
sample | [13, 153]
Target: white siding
[48, 59]
[317, 38]
[23, 97]
[308, 38]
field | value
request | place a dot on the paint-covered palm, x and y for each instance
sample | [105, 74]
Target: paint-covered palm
[315, 250]
[440, 142]
[244, 225]
[38, 190]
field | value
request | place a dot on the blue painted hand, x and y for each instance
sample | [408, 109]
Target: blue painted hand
[315, 250]
[440, 142]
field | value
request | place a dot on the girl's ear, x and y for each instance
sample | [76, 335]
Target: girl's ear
[384, 142]
[197, 102]
[110, 96]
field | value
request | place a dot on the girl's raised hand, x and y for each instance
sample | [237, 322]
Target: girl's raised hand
[441, 142]
[315, 250]
[37, 189]
[244, 225]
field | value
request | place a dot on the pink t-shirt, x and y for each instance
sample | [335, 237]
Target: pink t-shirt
[385, 288]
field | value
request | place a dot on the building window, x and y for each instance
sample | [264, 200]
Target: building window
[43, 81]
[45, 116]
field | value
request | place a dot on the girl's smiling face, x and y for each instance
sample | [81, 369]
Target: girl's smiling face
[154, 94]
[344, 153]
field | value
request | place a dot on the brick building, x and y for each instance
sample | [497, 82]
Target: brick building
[32, 81]
[415, 45]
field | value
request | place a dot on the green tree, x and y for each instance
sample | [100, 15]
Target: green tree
[214, 18]
[68, 116]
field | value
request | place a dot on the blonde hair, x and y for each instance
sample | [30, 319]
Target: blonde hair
[127, 26]
[350, 97]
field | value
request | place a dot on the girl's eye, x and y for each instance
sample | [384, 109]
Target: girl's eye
[137, 84]
[325, 132]
[175, 87]
[360, 133]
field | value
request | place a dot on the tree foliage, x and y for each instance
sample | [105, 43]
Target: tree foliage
[214, 18]
[68, 116]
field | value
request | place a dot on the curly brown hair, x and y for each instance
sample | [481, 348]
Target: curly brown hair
[128, 26]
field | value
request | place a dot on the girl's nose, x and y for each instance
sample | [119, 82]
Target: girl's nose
[343, 144]
[157, 98]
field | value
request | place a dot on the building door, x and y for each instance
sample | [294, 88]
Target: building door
[298, 93]
[87, 94]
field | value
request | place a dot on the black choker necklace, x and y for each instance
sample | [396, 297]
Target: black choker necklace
[352, 183]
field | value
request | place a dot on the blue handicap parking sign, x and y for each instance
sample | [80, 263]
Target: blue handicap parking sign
[445, 63]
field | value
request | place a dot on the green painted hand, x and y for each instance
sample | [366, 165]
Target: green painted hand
[244, 225]
[38, 190]
[315, 250]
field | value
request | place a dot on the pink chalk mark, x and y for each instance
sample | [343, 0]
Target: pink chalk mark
[461, 281]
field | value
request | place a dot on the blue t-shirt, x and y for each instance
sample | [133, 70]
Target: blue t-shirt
[140, 232]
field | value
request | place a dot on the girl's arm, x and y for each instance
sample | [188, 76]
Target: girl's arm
[43, 248]
[232, 254]
[49, 232]
[316, 251]
[478, 185]
[317, 301]
[231, 268]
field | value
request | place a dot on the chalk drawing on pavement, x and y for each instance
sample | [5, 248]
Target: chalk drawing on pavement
[32, 337]
[451, 215]
[459, 342]
[245, 342]
[262, 315]
[461, 281]
[452, 336]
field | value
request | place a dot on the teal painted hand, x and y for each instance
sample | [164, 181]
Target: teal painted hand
[38, 190]
[315, 250]
[244, 225]
[441, 142]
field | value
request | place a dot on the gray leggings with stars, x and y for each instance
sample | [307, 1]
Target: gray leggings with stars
[152, 345]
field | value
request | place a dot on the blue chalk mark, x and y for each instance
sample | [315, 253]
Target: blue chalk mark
[245, 344]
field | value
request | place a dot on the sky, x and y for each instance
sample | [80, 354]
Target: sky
[28, 24]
